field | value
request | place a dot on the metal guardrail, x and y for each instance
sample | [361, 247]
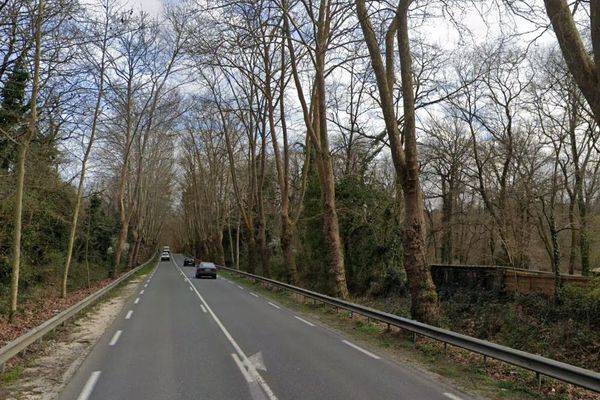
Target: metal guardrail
[21, 343]
[544, 366]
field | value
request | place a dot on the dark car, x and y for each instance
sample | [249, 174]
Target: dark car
[206, 269]
[188, 262]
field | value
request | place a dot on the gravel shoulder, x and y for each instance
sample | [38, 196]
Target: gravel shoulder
[45, 371]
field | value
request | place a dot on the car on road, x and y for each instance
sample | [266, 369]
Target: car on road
[206, 269]
[165, 256]
[188, 262]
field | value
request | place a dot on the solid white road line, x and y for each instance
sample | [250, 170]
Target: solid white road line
[142, 292]
[115, 338]
[303, 320]
[254, 294]
[274, 305]
[137, 300]
[361, 350]
[242, 368]
[251, 369]
[89, 386]
[452, 396]
[203, 308]
[128, 316]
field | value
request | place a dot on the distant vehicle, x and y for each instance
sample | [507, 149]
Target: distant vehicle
[188, 262]
[165, 256]
[166, 249]
[206, 269]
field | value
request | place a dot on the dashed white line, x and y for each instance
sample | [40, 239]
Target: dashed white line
[128, 316]
[115, 338]
[361, 350]
[303, 320]
[274, 305]
[89, 386]
[137, 300]
[191, 290]
[253, 294]
[452, 396]
[146, 285]
[203, 308]
[239, 287]
[142, 292]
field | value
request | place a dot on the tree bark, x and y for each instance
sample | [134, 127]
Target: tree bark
[584, 69]
[424, 305]
[317, 130]
[88, 150]
[23, 147]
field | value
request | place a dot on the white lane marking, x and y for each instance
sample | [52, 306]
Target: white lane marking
[89, 386]
[191, 290]
[274, 305]
[146, 285]
[142, 292]
[128, 316]
[254, 294]
[452, 396]
[137, 300]
[115, 338]
[251, 369]
[242, 368]
[240, 287]
[361, 350]
[203, 308]
[303, 320]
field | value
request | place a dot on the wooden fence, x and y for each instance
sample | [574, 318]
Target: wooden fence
[498, 279]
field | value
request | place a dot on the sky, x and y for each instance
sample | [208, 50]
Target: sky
[152, 7]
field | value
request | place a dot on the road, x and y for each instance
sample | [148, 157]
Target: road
[186, 338]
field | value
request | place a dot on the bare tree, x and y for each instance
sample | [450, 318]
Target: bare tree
[403, 146]
[22, 148]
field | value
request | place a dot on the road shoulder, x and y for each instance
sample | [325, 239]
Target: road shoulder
[47, 369]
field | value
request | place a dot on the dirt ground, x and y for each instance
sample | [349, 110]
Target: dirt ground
[48, 369]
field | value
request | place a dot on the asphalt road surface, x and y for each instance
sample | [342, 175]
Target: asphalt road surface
[186, 338]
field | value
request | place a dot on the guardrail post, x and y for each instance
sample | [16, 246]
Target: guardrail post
[538, 376]
[484, 361]
[3, 368]
[445, 348]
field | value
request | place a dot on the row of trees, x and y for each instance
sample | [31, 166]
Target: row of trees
[344, 147]
[334, 144]
[86, 123]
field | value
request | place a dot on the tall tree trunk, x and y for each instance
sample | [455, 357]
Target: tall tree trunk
[230, 240]
[424, 305]
[237, 245]
[287, 237]
[584, 69]
[447, 226]
[123, 220]
[316, 125]
[262, 219]
[23, 147]
[88, 150]
[574, 245]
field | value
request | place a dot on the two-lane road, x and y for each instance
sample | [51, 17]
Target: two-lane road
[186, 338]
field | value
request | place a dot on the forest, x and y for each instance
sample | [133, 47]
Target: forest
[342, 146]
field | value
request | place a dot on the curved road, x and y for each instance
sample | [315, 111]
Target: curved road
[186, 338]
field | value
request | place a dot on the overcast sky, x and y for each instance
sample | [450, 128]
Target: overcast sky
[152, 7]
